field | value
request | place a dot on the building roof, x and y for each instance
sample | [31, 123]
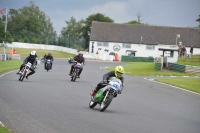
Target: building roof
[144, 34]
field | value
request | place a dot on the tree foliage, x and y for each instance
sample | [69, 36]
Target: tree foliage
[4, 36]
[133, 22]
[81, 29]
[29, 24]
[86, 29]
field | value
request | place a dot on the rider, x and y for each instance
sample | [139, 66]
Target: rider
[80, 59]
[35, 63]
[31, 58]
[49, 56]
[119, 70]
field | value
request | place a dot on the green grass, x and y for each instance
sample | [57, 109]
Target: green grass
[9, 65]
[182, 60]
[5, 130]
[41, 52]
[187, 83]
[147, 69]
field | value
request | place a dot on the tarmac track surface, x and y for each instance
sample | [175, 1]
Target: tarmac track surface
[50, 103]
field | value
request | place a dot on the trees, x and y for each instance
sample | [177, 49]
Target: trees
[133, 22]
[88, 22]
[72, 33]
[80, 29]
[31, 25]
[4, 36]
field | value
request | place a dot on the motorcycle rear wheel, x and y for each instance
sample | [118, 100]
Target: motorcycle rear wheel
[92, 104]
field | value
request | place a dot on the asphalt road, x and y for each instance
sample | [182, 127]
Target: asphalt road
[50, 103]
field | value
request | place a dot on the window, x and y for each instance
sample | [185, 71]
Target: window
[150, 47]
[102, 44]
[126, 45]
[99, 43]
[105, 44]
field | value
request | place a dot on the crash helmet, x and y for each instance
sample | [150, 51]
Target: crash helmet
[119, 71]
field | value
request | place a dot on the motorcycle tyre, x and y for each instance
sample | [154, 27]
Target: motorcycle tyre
[107, 103]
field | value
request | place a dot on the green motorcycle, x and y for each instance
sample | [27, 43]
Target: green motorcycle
[105, 95]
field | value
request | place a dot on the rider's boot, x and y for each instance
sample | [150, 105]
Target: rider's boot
[94, 91]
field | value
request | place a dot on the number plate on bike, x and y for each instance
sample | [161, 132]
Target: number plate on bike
[115, 85]
[29, 64]
[78, 65]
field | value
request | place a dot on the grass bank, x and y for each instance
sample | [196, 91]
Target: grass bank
[189, 61]
[147, 69]
[187, 83]
[5, 130]
[9, 65]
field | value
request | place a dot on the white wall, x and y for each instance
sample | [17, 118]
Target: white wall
[140, 48]
[48, 47]
[195, 50]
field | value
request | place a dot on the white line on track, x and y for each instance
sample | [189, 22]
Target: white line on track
[1, 123]
[6, 73]
[171, 86]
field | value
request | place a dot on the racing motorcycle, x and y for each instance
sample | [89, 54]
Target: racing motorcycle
[105, 95]
[24, 71]
[48, 65]
[76, 70]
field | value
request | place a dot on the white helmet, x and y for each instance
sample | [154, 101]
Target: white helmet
[80, 53]
[32, 55]
[34, 51]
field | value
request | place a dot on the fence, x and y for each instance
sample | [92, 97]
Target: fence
[72, 42]
[176, 67]
[195, 58]
[136, 59]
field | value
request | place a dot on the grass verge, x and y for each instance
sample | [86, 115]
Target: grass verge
[182, 60]
[5, 130]
[9, 65]
[187, 83]
[148, 69]
[41, 52]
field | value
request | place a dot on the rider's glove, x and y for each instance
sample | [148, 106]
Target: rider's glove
[119, 92]
[105, 81]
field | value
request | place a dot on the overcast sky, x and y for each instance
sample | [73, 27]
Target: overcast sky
[178, 13]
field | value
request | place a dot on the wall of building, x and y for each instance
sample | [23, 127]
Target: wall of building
[141, 49]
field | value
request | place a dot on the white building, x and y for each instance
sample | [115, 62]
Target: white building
[141, 40]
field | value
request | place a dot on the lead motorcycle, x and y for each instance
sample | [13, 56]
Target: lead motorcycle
[105, 95]
[76, 70]
[25, 71]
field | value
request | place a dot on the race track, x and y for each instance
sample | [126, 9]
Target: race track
[50, 103]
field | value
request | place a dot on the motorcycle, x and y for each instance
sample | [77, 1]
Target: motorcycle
[105, 95]
[70, 61]
[76, 70]
[25, 71]
[48, 65]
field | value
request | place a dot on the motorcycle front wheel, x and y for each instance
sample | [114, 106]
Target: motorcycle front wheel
[106, 103]
[23, 76]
